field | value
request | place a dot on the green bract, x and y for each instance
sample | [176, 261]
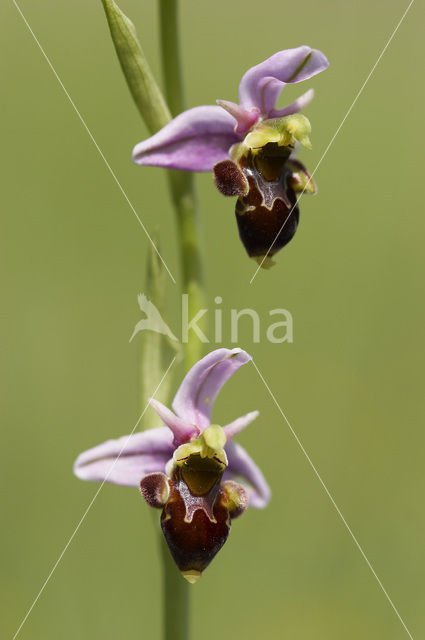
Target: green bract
[144, 89]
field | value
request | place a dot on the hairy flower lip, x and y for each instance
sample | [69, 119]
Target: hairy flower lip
[129, 459]
[200, 137]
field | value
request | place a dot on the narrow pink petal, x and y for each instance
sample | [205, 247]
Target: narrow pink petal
[261, 85]
[195, 398]
[239, 424]
[183, 431]
[243, 468]
[296, 106]
[194, 141]
[245, 118]
[127, 460]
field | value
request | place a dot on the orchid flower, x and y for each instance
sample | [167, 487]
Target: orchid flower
[248, 146]
[189, 468]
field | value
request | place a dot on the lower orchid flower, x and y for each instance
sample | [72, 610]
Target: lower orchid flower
[249, 146]
[189, 468]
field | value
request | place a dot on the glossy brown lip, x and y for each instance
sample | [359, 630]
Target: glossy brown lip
[268, 214]
[195, 520]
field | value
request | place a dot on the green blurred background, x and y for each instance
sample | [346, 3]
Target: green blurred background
[351, 383]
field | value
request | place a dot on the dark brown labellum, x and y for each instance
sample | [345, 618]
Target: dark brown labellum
[196, 510]
[268, 214]
[195, 520]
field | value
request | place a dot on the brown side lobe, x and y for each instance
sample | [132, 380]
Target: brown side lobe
[229, 179]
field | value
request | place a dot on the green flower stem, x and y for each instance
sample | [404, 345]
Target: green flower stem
[171, 65]
[175, 598]
[155, 113]
[182, 183]
[176, 590]
[182, 194]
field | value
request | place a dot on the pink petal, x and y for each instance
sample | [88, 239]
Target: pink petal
[242, 467]
[245, 118]
[183, 431]
[194, 141]
[125, 461]
[261, 85]
[296, 106]
[238, 425]
[197, 392]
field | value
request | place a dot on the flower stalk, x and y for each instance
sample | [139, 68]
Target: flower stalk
[156, 350]
[175, 593]
[181, 183]
[156, 114]
[182, 191]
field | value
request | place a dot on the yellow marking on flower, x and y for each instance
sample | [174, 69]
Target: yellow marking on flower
[283, 131]
[258, 138]
[191, 575]
[185, 450]
[210, 444]
[214, 437]
[238, 151]
[299, 127]
[265, 262]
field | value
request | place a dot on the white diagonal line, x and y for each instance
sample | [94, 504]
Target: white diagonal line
[319, 477]
[111, 171]
[89, 506]
[335, 134]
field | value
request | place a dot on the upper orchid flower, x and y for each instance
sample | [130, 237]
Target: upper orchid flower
[198, 138]
[188, 467]
[248, 146]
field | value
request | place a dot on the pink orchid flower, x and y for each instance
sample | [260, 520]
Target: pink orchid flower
[248, 146]
[189, 468]
[200, 137]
